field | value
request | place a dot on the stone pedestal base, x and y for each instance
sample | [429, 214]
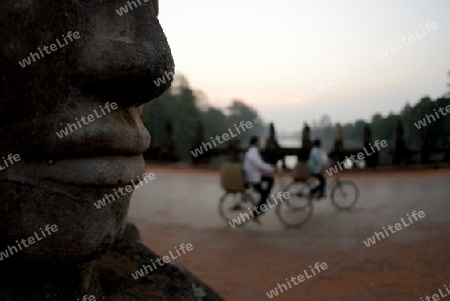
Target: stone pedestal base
[106, 278]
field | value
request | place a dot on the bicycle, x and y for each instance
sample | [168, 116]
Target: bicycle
[343, 193]
[292, 212]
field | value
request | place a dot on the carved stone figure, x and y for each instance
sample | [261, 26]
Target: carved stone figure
[272, 147]
[115, 60]
[74, 77]
[306, 143]
[401, 151]
[372, 160]
[339, 139]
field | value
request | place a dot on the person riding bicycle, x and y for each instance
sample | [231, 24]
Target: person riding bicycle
[254, 165]
[317, 161]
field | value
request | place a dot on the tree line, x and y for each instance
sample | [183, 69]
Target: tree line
[185, 109]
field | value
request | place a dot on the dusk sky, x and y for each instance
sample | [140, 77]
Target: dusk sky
[269, 52]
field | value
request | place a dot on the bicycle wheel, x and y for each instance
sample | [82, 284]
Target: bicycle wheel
[344, 195]
[233, 207]
[298, 191]
[298, 208]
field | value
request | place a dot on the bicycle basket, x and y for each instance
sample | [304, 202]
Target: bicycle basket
[301, 171]
[232, 177]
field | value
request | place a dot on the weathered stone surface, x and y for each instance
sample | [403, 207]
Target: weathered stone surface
[96, 81]
[109, 278]
[102, 75]
[169, 282]
[114, 59]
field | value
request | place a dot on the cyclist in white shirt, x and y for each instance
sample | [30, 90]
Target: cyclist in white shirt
[254, 166]
[317, 162]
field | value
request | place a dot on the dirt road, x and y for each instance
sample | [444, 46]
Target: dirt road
[180, 206]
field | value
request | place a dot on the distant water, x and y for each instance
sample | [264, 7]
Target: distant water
[290, 142]
[291, 161]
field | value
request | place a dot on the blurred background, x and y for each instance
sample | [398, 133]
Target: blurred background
[263, 62]
[347, 72]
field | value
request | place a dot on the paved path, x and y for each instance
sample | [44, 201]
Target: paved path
[180, 206]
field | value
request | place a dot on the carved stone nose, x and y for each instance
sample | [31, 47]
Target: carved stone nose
[119, 60]
[130, 83]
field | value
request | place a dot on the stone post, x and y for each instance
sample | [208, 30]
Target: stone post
[401, 152]
[372, 160]
[167, 150]
[198, 140]
[233, 147]
[306, 143]
[271, 149]
[429, 143]
[338, 139]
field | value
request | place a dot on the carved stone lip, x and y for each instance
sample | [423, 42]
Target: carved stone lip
[118, 133]
[107, 171]
[101, 143]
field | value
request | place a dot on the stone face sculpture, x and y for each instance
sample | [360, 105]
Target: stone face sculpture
[114, 60]
[73, 66]
[74, 77]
